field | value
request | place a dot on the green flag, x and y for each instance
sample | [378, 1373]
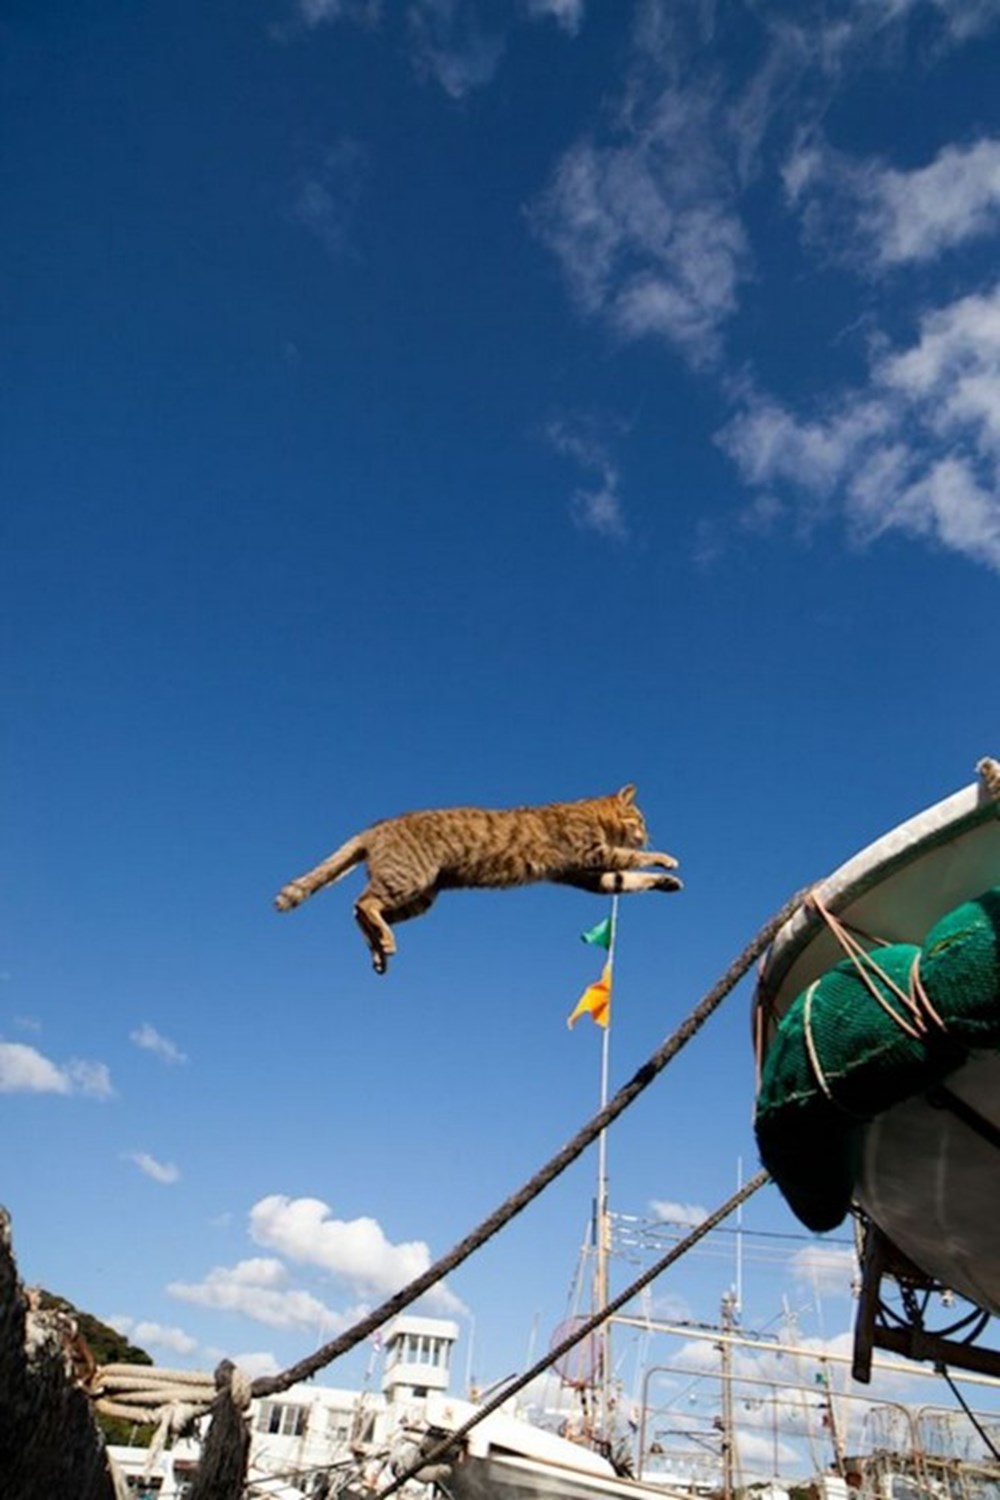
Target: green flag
[600, 935]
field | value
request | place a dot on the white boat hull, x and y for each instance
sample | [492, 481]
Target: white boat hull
[507, 1476]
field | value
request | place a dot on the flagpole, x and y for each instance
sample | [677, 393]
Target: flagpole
[603, 1226]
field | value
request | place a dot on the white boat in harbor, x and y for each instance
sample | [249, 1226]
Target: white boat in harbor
[321, 1441]
[926, 1168]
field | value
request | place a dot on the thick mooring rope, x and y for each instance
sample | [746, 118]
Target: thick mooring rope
[144, 1393]
[269, 1385]
[448, 1444]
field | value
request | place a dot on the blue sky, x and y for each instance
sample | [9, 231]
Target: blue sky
[458, 401]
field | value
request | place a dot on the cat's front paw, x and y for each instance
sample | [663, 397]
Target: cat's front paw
[667, 883]
[667, 861]
[290, 895]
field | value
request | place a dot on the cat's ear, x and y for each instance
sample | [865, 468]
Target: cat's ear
[627, 793]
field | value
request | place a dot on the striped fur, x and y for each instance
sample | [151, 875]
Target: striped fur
[597, 844]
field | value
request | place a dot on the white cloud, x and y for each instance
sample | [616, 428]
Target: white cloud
[142, 1332]
[646, 219]
[355, 1250]
[453, 46]
[878, 217]
[596, 506]
[961, 19]
[645, 230]
[159, 1171]
[862, 33]
[669, 1307]
[759, 1451]
[316, 12]
[91, 1078]
[916, 451]
[252, 1363]
[256, 1289]
[327, 197]
[829, 1270]
[566, 13]
[150, 1040]
[24, 1069]
[669, 1212]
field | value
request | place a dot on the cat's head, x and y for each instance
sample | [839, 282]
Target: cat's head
[631, 823]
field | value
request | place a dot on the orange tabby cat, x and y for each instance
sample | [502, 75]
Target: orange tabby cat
[597, 844]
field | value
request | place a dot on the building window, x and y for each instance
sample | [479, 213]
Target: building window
[338, 1425]
[422, 1349]
[282, 1418]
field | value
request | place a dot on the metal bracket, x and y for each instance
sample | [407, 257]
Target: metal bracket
[880, 1327]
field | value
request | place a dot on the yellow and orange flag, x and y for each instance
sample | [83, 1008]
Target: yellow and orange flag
[595, 1001]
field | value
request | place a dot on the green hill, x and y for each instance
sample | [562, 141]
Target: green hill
[108, 1348]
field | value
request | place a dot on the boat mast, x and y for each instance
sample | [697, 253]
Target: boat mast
[726, 1421]
[602, 1220]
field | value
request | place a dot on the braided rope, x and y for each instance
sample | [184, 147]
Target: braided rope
[143, 1393]
[920, 1011]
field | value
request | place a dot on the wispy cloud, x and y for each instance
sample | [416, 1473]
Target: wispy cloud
[316, 12]
[566, 13]
[355, 1250]
[645, 227]
[326, 200]
[159, 1171]
[916, 451]
[596, 505]
[670, 1212]
[646, 214]
[830, 1270]
[961, 19]
[150, 1040]
[454, 45]
[24, 1069]
[251, 1362]
[875, 216]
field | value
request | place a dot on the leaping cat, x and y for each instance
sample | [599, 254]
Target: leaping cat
[597, 844]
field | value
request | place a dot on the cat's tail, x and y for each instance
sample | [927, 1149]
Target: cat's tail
[339, 863]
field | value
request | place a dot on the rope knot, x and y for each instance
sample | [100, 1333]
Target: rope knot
[230, 1378]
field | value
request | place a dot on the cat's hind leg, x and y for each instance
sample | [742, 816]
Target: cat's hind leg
[368, 913]
[374, 912]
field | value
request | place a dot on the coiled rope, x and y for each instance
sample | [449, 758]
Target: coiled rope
[173, 1400]
[143, 1393]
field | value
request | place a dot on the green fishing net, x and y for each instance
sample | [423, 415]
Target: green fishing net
[840, 1057]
